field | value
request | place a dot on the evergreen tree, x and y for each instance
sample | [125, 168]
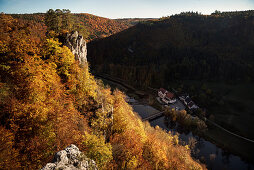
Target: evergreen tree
[59, 20]
[67, 21]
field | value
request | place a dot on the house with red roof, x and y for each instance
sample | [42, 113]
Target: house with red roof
[166, 96]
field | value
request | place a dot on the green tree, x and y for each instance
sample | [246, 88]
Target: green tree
[82, 30]
[50, 19]
[67, 21]
[98, 150]
[59, 20]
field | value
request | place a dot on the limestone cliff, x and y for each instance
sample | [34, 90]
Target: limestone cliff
[77, 44]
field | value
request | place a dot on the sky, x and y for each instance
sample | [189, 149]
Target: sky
[126, 8]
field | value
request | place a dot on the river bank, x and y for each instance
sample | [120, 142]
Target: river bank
[207, 152]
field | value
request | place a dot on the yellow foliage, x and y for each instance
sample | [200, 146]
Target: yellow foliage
[49, 102]
[125, 118]
[61, 56]
[97, 149]
[127, 150]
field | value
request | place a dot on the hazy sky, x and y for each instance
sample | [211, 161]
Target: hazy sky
[126, 8]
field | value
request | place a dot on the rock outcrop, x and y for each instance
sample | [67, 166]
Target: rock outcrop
[77, 44]
[71, 159]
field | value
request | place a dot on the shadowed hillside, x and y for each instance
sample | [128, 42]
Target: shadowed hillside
[186, 46]
[210, 57]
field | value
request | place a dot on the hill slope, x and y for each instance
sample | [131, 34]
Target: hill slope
[47, 102]
[187, 46]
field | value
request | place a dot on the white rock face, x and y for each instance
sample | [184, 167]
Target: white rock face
[71, 159]
[77, 45]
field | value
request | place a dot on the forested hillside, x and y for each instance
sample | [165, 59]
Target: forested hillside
[210, 57]
[92, 26]
[48, 101]
[185, 46]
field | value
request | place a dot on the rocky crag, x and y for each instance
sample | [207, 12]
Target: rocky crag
[77, 44]
[71, 159]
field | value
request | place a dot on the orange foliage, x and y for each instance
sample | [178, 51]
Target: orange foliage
[127, 150]
[97, 27]
[40, 114]
[47, 102]
[9, 156]
[100, 27]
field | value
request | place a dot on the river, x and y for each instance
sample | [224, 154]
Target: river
[213, 156]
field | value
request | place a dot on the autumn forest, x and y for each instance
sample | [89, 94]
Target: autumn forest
[49, 101]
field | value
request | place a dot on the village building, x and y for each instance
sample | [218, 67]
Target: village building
[188, 102]
[162, 92]
[192, 105]
[166, 96]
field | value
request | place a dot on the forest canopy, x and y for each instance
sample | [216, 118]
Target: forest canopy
[47, 102]
[88, 25]
[187, 46]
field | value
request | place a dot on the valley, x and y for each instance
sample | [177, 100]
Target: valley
[49, 101]
[83, 91]
[208, 56]
[214, 149]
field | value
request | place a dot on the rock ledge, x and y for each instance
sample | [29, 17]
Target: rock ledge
[71, 159]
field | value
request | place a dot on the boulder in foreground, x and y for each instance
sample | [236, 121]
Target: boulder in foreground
[71, 159]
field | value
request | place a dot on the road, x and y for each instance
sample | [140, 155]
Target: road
[178, 105]
[232, 133]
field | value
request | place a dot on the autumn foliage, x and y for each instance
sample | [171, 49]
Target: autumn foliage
[99, 27]
[90, 26]
[47, 102]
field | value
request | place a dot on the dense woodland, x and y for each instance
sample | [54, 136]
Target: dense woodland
[48, 101]
[90, 26]
[210, 57]
[187, 46]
